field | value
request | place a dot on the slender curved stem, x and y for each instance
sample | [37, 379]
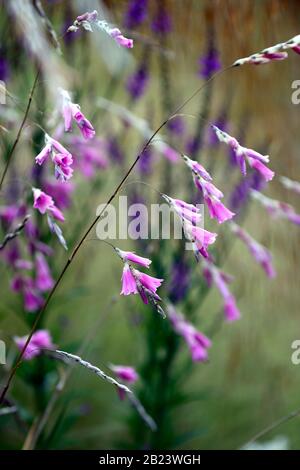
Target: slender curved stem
[274, 425]
[90, 228]
[20, 129]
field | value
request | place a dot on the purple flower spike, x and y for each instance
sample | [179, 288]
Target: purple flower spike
[136, 13]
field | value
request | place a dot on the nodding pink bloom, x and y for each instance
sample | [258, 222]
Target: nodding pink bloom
[131, 256]
[259, 252]
[211, 194]
[88, 20]
[45, 204]
[197, 342]
[60, 156]
[43, 278]
[126, 373]
[71, 111]
[128, 282]
[136, 282]
[9, 213]
[277, 209]
[190, 217]
[186, 212]
[40, 340]
[290, 184]
[262, 57]
[200, 238]
[116, 34]
[221, 280]
[243, 154]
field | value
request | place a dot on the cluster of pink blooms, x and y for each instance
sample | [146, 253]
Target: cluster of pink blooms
[276, 52]
[197, 342]
[40, 340]
[212, 195]
[277, 209]
[213, 275]
[89, 20]
[136, 282]
[59, 155]
[243, 154]
[190, 217]
[261, 254]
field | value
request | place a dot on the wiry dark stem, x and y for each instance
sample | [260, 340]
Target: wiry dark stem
[89, 229]
[9, 158]
[11, 235]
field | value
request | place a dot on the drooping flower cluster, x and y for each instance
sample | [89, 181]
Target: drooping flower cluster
[89, 20]
[59, 155]
[243, 155]
[259, 252]
[71, 111]
[190, 217]
[40, 340]
[221, 280]
[277, 209]
[197, 342]
[276, 52]
[212, 195]
[136, 282]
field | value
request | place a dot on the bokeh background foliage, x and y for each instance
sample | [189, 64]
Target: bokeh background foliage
[249, 380]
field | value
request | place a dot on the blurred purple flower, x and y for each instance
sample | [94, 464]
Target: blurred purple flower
[40, 339]
[126, 373]
[136, 13]
[145, 162]
[137, 82]
[114, 150]
[176, 125]
[161, 22]
[209, 63]
[241, 192]
[196, 341]
[193, 145]
[180, 280]
[61, 192]
[4, 69]
[43, 279]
